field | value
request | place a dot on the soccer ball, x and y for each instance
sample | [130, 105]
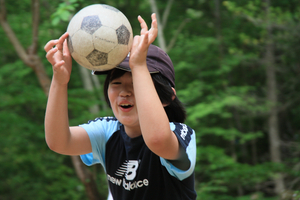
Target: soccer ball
[100, 37]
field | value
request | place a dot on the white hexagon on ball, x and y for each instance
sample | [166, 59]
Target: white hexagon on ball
[105, 39]
[100, 37]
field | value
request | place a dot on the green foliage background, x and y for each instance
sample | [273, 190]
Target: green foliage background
[221, 80]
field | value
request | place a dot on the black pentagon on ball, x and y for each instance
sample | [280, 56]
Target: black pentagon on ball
[123, 35]
[97, 58]
[70, 45]
[90, 24]
[110, 8]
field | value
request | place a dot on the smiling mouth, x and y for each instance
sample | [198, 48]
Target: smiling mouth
[126, 106]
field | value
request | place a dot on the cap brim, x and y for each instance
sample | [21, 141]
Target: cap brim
[125, 66]
[94, 72]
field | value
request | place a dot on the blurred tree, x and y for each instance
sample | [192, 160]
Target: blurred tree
[219, 52]
[273, 127]
[32, 60]
[29, 56]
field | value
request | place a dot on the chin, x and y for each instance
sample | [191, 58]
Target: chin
[128, 121]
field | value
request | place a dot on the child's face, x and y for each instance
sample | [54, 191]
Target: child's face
[121, 96]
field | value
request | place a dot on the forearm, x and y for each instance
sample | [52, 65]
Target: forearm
[57, 130]
[153, 119]
[150, 110]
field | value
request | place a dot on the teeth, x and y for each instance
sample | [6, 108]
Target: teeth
[125, 104]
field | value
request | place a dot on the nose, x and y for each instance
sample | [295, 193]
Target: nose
[126, 91]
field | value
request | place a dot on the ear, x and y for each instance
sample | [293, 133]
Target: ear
[173, 97]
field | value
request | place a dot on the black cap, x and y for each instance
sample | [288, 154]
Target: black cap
[157, 60]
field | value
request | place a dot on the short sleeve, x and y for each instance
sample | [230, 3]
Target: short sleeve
[187, 139]
[99, 131]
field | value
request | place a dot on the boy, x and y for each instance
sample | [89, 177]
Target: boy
[145, 149]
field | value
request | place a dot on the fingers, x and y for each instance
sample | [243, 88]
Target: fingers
[57, 50]
[154, 21]
[66, 51]
[58, 65]
[144, 27]
[152, 33]
[50, 45]
[145, 39]
[58, 43]
[141, 42]
[61, 40]
[50, 55]
[135, 43]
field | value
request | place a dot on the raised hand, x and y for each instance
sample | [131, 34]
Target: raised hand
[152, 33]
[141, 42]
[60, 58]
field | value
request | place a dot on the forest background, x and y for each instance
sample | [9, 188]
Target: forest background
[237, 66]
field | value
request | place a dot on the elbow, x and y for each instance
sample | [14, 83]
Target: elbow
[51, 145]
[54, 146]
[157, 139]
[56, 142]
[158, 143]
[164, 144]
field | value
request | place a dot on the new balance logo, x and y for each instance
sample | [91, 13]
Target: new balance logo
[128, 169]
[183, 131]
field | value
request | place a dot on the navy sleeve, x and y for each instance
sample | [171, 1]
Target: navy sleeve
[187, 140]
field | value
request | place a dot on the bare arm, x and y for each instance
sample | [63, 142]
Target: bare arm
[152, 117]
[59, 136]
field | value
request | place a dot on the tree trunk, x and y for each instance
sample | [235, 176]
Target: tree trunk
[218, 27]
[88, 85]
[98, 86]
[31, 59]
[160, 35]
[161, 24]
[273, 128]
[86, 177]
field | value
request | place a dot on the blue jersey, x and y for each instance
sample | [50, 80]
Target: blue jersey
[133, 170]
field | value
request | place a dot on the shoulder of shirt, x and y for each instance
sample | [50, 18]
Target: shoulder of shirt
[104, 119]
[181, 125]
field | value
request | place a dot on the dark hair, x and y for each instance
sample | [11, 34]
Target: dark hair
[175, 110]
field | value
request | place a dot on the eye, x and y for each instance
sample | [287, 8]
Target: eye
[115, 83]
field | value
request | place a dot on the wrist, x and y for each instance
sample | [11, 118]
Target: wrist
[139, 68]
[58, 83]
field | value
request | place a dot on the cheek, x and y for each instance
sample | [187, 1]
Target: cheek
[111, 94]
